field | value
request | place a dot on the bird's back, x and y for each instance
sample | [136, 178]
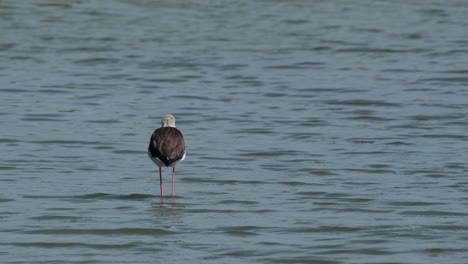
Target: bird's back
[167, 146]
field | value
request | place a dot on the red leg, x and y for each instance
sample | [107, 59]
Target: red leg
[173, 181]
[161, 184]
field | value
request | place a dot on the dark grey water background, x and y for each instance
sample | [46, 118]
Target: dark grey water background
[317, 131]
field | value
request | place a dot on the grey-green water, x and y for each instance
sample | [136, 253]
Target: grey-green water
[317, 131]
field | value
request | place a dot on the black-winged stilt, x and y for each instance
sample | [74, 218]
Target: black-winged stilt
[167, 148]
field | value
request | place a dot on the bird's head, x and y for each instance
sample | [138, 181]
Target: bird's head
[168, 121]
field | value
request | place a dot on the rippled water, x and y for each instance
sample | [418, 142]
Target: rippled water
[317, 131]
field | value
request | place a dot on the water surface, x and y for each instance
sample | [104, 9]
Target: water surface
[316, 131]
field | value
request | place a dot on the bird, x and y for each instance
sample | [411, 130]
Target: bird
[167, 148]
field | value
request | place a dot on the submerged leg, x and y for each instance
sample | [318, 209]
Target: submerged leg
[173, 181]
[161, 184]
